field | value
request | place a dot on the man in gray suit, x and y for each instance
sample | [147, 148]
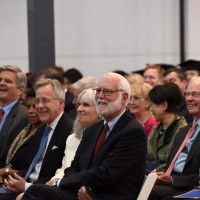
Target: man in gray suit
[12, 85]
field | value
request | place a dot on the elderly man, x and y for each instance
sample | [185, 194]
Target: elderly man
[49, 145]
[13, 115]
[109, 162]
[182, 171]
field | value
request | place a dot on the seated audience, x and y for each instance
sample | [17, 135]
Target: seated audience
[165, 100]
[49, 145]
[13, 115]
[182, 171]
[17, 152]
[86, 116]
[139, 106]
[111, 156]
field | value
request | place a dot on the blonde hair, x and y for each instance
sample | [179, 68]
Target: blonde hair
[141, 89]
[135, 78]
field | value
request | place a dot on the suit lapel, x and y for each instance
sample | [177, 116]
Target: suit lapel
[113, 134]
[178, 143]
[52, 142]
[9, 121]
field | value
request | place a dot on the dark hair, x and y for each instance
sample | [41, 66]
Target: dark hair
[58, 77]
[168, 92]
[31, 78]
[72, 75]
[121, 72]
[180, 73]
[31, 93]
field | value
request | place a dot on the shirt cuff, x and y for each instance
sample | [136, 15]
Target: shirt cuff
[27, 185]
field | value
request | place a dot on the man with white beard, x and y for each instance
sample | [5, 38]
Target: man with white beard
[108, 164]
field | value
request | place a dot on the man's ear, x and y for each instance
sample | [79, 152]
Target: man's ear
[124, 97]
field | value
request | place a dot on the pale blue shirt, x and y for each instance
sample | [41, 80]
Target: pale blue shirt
[180, 162]
[35, 174]
[112, 123]
[6, 110]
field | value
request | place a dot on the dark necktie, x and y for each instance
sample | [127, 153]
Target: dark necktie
[101, 139]
[1, 114]
[40, 151]
[187, 137]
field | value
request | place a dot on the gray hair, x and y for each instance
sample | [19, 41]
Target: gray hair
[195, 79]
[21, 79]
[85, 83]
[85, 96]
[57, 87]
[123, 84]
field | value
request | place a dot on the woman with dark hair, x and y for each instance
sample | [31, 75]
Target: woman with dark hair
[21, 145]
[165, 101]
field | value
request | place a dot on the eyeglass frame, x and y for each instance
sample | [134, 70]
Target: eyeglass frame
[193, 94]
[44, 101]
[106, 92]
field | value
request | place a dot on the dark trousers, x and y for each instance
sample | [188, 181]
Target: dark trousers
[164, 192]
[8, 196]
[45, 192]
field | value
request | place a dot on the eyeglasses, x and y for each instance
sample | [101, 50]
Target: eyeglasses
[193, 94]
[44, 101]
[106, 92]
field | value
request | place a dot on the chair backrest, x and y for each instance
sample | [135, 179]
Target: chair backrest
[147, 186]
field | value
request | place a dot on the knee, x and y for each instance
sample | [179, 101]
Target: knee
[32, 191]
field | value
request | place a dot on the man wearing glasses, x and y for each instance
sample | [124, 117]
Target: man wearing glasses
[109, 167]
[182, 170]
[49, 144]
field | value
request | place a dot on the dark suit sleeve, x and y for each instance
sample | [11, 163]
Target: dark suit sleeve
[186, 181]
[125, 152]
[189, 178]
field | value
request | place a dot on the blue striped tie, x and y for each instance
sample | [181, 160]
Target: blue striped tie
[40, 151]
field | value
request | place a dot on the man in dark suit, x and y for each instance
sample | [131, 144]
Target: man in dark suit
[12, 86]
[114, 170]
[50, 105]
[185, 171]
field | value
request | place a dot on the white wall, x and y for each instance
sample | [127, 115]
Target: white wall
[13, 33]
[97, 36]
[193, 29]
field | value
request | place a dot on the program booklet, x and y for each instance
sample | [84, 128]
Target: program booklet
[192, 194]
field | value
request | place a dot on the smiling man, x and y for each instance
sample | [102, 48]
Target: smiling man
[49, 145]
[182, 170]
[114, 169]
[14, 115]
